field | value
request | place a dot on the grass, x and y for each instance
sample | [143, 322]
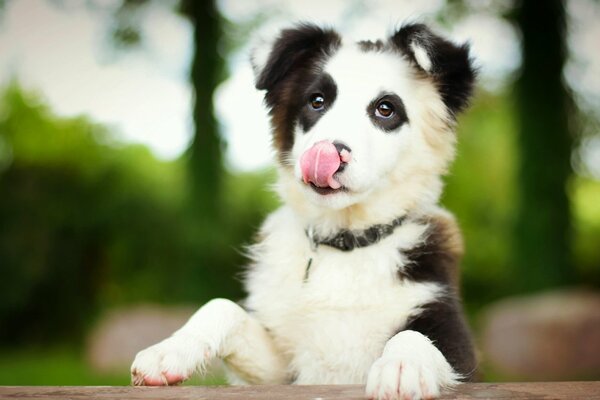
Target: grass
[65, 367]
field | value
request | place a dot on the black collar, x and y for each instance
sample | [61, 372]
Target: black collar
[349, 240]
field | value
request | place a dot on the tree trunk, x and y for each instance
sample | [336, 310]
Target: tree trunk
[543, 219]
[205, 152]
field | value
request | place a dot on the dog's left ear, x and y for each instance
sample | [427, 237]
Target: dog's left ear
[448, 64]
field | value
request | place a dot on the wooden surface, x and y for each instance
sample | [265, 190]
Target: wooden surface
[548, 390]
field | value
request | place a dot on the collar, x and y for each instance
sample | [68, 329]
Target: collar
[347, 240]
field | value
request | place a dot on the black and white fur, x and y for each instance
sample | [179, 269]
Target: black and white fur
[386, 315]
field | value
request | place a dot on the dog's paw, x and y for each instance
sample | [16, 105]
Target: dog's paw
[169, 362]
[410, 368]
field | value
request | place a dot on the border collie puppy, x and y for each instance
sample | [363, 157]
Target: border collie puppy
[354, 280]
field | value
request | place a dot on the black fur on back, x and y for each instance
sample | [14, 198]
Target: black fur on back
[442, 321]
[444, 324]
[452, 68]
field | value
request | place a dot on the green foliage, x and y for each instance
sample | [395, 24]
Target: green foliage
[53, 367]
[480, 192]
[88, 222]
[63, 366]
[585, 193]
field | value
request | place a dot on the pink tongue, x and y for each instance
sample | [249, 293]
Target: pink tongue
[319, 163]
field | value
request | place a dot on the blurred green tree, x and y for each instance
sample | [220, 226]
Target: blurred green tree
[80, 220]
[204, 158]
[540, 244]
[205, 154]
[88, 223]
[206, 149]
[542, 251]
[481, 193]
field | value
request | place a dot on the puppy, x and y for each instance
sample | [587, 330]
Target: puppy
[354, 280]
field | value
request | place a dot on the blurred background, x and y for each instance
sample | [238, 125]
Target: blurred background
[135, 166]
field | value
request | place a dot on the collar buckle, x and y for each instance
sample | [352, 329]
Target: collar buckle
[314, 244]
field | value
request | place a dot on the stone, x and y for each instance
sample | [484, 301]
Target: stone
[121, 333]
[549, 336]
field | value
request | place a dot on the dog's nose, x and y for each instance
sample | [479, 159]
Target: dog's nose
[342, 148]
[345, 154]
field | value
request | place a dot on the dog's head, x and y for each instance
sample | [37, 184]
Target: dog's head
[353, 120]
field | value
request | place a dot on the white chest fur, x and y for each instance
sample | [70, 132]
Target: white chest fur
[334, 324]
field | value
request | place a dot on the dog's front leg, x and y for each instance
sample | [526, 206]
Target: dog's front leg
[411, 367]
[222, 329]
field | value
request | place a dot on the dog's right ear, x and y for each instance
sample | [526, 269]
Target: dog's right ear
[294, 48]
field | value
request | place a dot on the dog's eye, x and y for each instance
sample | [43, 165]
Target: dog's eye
[384, 109]
[317, 101]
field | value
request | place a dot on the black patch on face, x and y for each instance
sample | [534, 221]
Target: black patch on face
[393, 121]
[442, 321]
[324, 86]
[292, 67]
[452, 69]
[295, 48]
